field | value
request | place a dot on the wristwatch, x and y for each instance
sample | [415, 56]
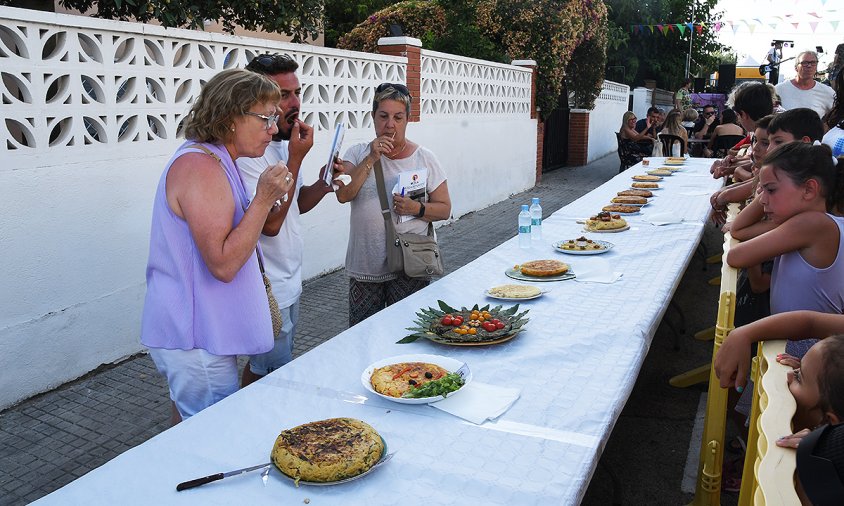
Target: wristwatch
[421, 212]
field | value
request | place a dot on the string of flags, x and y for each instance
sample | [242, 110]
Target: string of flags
[751, 24]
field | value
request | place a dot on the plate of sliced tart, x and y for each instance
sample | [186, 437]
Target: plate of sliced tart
[514, 292]
[605, 222]
[583, 246]
[647, 178]
[660, 172]
[636, 193]
[645, 186]
[416, 378]
[621, 209]
[541, 270]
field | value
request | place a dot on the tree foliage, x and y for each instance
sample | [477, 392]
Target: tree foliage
[547, 31]
[652, 55]
[341, 16]
[301, 19]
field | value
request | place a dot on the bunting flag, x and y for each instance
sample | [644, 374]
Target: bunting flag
[814, 25]
[834, 25]
[752, 28]
[751, 24]
[682, 29]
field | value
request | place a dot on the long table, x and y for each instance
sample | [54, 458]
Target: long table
[575, 364]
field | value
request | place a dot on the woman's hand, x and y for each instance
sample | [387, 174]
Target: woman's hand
[732, 362]
[273, 184]
[405, 206]
[788, 360]
[382, 145]
[793, 440]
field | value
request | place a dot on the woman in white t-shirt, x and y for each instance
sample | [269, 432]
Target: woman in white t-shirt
[372, 286]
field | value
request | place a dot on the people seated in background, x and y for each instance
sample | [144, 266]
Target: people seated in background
[690, 117]
[834, 119]
[775, 98]
[674, 126]
[726, 127]
[803, 90]
[650, 125]
[638, 142]
[706, 122]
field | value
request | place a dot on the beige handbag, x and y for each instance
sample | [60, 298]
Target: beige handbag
[418, 256]
[275, 312]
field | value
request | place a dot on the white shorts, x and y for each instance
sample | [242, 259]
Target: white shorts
[197, 379]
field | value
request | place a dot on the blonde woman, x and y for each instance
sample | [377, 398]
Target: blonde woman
[636, 142]
[674, 126]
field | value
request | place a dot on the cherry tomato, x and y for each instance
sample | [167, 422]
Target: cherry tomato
[457, 321]
[499, 325]
[447, 320]
[489, 327]
[495, 321]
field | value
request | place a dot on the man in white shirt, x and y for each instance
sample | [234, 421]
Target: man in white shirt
[774, 57]
[803, 90]
[281, 241]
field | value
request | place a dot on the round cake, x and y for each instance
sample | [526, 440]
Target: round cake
[605, 221]
[629, 199]
[395, 380]
[327, 450]
[660, 172]
[636, 193]
[514, 291]
[543, 268]
[651, 186]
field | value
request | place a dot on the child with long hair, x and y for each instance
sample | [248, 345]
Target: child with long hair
[799, 184]
[674, 126]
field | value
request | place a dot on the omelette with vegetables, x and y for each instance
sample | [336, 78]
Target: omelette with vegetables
[396, 380]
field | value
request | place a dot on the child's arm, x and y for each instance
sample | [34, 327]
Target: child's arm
[797, 233]
[748, 224]
[760, 282]
[733, 357]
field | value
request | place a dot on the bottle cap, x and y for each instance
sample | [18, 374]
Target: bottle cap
[535, 200]
[524, 207]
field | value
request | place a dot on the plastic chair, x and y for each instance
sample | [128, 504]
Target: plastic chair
[723, 143]
[668, 141]
[626, 153]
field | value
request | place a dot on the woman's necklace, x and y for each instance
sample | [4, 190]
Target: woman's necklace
[397, 153]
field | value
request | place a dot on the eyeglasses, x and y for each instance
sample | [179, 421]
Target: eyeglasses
[808, 63]
[396, 86]
[265, 62]
[271, 120]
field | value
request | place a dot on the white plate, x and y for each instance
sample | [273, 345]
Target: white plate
[647, 189]
[516, 299]
[647, 180]
[607, 246]
[624, 214]
[449, 364]
[650, 173]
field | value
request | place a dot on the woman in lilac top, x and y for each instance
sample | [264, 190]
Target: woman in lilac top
[205, 300]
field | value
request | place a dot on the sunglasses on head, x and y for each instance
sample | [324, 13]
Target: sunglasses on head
[396, 86]
[267, 61]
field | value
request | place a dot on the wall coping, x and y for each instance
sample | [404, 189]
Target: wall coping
[523, 63]
[399, 41]
[453, 57]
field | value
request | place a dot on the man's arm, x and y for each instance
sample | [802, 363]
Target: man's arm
[301, 141]
[310, 196]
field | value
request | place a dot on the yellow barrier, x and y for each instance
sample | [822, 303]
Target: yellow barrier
[768, 469]
[708, 489]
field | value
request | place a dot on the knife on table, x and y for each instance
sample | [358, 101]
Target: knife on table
[219, 476]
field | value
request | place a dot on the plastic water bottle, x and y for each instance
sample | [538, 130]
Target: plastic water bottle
[524, 227]
[535, 220]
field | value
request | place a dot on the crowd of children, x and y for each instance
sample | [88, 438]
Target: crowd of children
[792, 252]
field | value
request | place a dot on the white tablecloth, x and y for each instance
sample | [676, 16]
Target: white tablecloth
[575, 365]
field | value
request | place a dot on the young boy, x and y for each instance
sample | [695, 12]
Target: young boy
[801, 124]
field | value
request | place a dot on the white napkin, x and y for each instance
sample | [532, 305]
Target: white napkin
[664, 218]
[478, 402]
[694, 193]
[596, 270]
[343, 178]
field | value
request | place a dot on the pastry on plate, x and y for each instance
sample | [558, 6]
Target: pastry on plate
[581, 244]
[605, 221]
[635, 193]
[514, 291]
[395, 380]
[652, 186]
[543, 268]
[660, 172]
[647, 178]
[629, 199]
[327, 450]
[619, 208]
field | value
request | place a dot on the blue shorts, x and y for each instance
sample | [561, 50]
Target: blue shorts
[282, 351]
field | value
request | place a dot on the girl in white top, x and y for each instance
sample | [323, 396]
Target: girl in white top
[371, 285]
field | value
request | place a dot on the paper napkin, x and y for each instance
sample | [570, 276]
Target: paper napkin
[478, 402]
[596, 270]
[664, 218]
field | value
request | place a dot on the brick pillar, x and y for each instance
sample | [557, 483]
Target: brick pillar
[534, 114]
[411, 49]
[578, 137]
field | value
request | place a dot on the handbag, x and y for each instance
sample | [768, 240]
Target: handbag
[416, 255]
[275, 312]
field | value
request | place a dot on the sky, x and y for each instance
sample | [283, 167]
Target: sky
[751, 25]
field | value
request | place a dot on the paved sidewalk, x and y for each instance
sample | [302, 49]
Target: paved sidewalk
[51, 439]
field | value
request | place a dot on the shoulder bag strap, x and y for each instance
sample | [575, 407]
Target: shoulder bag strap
[216, 157]
[385, 209]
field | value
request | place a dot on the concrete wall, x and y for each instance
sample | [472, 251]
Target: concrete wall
[89, 118]
[605, 119]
